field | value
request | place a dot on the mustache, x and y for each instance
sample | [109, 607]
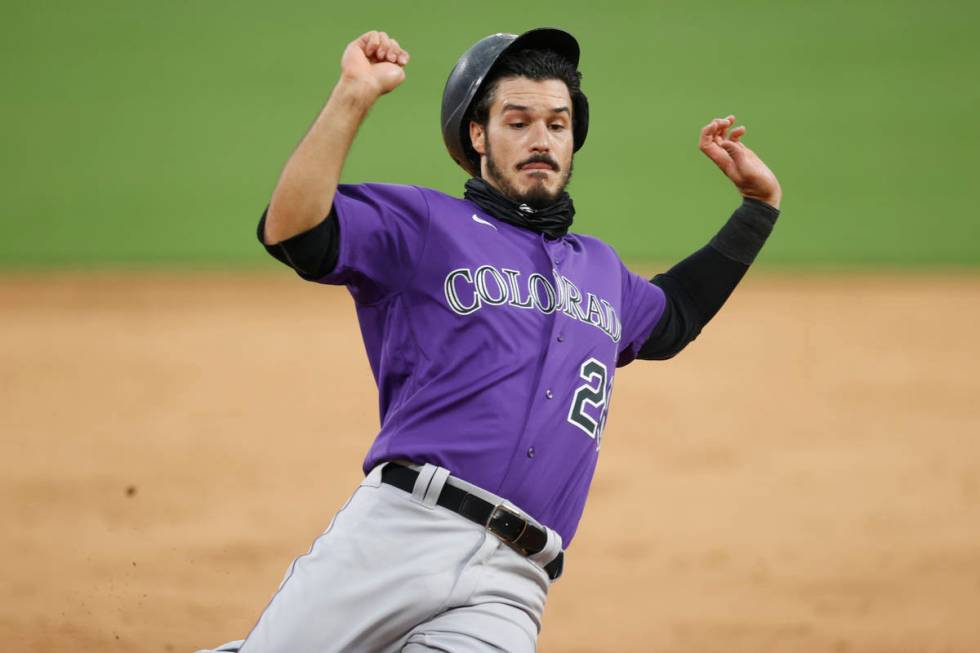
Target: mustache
[540, 158]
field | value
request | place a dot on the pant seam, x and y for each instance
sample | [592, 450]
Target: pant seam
[292, 567]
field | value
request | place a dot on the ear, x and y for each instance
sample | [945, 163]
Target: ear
[477, 134]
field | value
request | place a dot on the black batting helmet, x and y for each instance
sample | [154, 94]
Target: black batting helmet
[466, 81]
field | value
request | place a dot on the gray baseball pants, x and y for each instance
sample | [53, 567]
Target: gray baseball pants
[394, 572]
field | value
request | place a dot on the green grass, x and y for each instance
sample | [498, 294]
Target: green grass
[140, 132]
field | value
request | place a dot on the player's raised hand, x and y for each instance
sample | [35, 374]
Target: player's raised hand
[376, 61]
[746, 170]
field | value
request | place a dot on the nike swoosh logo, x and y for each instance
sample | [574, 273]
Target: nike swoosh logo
[477, 218]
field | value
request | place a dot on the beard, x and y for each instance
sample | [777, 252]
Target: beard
[537, 197]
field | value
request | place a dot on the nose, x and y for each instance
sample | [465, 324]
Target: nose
[540, 139]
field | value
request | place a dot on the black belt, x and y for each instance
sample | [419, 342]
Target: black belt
[514, 530]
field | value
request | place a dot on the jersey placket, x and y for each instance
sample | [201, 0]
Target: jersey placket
[545, 392]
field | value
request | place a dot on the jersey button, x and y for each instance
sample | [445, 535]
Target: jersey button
[561, 338]
[530, 452]
[548, 393]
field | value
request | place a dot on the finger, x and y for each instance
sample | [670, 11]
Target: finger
[723, 125]
[403, 58]
[737, 133]
[385, 46]
[391, 51]
[374, 40]
[726, 122]
[722, 144]
[720, 158]
[394, 51]
[734, 149]
[713, 133]
[711, 148]
[709, 131]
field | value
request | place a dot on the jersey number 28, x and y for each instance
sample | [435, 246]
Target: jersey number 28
[594, 392]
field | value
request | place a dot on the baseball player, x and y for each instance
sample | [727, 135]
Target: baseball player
[493, 333]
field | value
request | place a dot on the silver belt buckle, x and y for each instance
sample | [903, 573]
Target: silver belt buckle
[502, 512]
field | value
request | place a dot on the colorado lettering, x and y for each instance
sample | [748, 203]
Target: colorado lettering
[468, 290]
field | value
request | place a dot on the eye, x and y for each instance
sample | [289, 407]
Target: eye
[517, 125]
[557, 126]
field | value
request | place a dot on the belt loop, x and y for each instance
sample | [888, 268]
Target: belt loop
[435, 486]
[551, 548]
[422, 482]
[429, 484]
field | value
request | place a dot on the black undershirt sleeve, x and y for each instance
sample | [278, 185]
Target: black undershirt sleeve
[312, 253]
[697, 287]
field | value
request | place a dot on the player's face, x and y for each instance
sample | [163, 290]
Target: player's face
[527, 145]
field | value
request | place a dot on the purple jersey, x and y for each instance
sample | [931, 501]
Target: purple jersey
[493, 347]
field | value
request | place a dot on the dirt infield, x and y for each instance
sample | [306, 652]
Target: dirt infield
[806, 477]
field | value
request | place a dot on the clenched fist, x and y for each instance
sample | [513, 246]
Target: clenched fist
[375, 63]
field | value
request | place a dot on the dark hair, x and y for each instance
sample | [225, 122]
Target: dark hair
[538, 65]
